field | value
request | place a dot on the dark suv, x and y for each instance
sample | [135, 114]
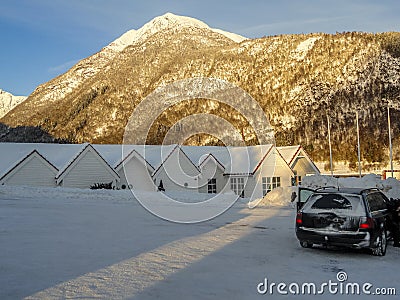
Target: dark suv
[348, 217]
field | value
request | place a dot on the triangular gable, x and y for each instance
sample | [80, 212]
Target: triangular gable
[294, 156]
[273, 151]
[176, 148]
[134, 154]
[302, 152]
[289, 153]
[75, 160]
[209, 157]
[25, 160]
[255, 164]
[263, 159]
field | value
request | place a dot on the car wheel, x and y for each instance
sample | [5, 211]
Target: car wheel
[381, 244]
[305, 244]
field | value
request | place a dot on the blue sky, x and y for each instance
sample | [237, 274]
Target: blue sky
[41, 39]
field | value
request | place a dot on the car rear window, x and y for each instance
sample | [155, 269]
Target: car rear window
[332, 201]
[344, 203]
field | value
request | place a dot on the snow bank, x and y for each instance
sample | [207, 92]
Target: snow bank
[56, 193]
[390, 186]
[277, 197]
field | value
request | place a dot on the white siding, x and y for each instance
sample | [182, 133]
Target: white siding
[137, 174]
[33, 172]
[273, 166]
[210, 170]
[88, 171]
[177, 171]
[302, 166]
[250, 186]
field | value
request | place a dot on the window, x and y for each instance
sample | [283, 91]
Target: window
[376, 202]
[270, 183]
[212, 186]
[237, 186]
[298, 179]
[332, 201]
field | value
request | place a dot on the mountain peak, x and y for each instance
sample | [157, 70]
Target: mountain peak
[169, 20]
[8, 102]
[164, 22]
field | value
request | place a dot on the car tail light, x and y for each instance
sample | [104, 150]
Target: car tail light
[299, 218]
[367, 223]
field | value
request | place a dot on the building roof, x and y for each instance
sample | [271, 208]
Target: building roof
[211, 156]
[84, 148]
[165, 158]
[56, 154]
[289, 153]
[21, 162]
[246, 159]
[132, 154]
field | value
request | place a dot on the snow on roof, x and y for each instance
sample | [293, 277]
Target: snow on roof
[57, 154]
[126, 159]
[198, 153]
[288, 152]
[19, 162]
[10, 156]
[212, 157]
[113, 154]
[83, 148]
[155, 155]
[71, 160]
[246, 159]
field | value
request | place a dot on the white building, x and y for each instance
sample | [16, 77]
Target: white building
[247, 171]
[177, 172]
[135, 172]
[299, 161]
[86, 169]
[212, 179]
[31, 170]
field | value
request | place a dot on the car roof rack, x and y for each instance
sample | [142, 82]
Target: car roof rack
[327, 187]
[371, 189]
[344, 189]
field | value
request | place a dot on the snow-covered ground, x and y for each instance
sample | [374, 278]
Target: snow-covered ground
[68, 243]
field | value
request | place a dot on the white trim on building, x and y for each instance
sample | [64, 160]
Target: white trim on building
[299, 161]
[87, 168]
[32, 170]
[135, 172]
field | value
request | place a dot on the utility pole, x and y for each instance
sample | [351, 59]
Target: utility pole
[390, 141]
[358, 146]
[330, 144]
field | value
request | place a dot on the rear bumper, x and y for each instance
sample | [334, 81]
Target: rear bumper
[340, 238]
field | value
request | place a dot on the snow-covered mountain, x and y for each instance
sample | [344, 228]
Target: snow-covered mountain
[158, 24]
[8, 102]
[297, 80]
[90, 66]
